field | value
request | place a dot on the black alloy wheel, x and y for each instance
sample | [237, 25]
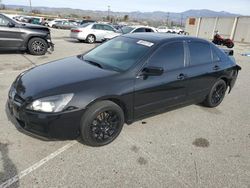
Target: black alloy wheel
[37, 46]
[217, 94]
[104, 126]
[101, 123]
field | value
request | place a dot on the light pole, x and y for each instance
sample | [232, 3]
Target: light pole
[108, 12]
[167, 19]
[181, 19]
[30, 6]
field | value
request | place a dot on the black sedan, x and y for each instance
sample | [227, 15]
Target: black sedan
[121, 81]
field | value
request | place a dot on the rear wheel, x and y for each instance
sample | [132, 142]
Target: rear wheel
[102, 123]
[230, 45]
[37, 46]
[90, 39]
[216, 95]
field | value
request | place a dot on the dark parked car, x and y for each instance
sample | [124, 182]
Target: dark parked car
[87, 21]
[65, 25]
[23, 36]
[120, 81]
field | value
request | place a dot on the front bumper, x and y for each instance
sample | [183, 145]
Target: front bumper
[65, 125]
[51, 44]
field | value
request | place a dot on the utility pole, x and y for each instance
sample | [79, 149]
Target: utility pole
[30, 6]
[108, 12]
[167, 18]
[181, 19]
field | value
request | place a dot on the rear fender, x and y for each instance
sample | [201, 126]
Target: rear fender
[234, 76]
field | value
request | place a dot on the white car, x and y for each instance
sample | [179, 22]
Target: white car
[92, 32]
[130, 29]
[56, 21]
[178, 30]
[164, 29]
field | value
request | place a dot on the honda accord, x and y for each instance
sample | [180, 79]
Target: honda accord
[123, 80]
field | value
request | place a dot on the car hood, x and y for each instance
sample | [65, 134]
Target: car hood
[57, 76]
[33, 26]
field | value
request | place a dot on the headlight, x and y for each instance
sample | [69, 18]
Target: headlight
[51, 104]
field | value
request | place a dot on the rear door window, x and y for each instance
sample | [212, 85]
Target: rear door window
[169, 57]
[98, 27]
[139, 30]
[200, 53]
[108, 28]
[216, 58]
[149, 30]
[3, 21]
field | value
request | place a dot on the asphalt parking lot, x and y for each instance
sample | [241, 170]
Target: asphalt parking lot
[188, 147]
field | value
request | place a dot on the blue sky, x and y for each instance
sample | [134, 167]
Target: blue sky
[234, 6]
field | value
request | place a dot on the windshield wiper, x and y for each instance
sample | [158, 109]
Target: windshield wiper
[94, 63]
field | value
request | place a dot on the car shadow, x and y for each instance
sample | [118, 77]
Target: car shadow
[83, 42]
[9, 168]
[10, 52]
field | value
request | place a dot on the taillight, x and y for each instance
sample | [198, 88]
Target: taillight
[76, 31]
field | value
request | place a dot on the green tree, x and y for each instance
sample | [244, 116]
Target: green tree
[20, 9]
[36, 11]
[126, 18]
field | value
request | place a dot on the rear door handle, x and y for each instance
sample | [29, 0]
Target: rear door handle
[216, 67]
[182, 76]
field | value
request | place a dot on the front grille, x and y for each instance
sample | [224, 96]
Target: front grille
[18, 99]
[15, 98]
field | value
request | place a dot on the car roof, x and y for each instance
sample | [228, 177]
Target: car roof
[138, 26]
[160, 37]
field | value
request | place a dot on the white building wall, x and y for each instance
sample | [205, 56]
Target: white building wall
[224, 26]
[236, 28]
[242, 32]
[192, 29]
[207, 28]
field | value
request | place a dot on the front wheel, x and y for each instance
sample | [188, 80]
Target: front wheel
[37, 46]
[216, 94]
[101, 123]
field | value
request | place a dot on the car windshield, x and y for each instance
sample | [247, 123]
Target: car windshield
[126, 30]
[118, 54]
[85, 25]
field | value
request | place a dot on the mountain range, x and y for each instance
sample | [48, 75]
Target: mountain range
[156, 15]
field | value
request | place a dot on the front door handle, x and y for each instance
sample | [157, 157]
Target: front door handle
[182, 76]
[216, 67]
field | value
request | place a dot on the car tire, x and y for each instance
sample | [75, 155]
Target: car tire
[216, 94]
[90, 39]
[101, 123]
[53, 26]
[37, 46]
[230, 45]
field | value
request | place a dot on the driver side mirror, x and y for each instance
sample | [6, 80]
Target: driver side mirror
[10, 24]
[151, 71]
